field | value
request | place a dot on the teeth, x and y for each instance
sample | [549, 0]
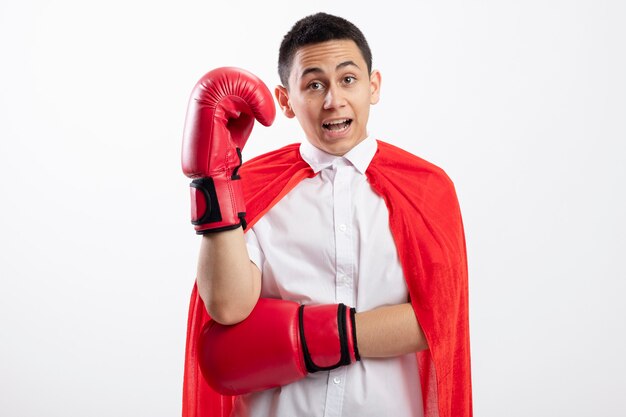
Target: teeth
[337, 124]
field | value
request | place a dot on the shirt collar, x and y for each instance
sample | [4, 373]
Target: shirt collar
[360, 156]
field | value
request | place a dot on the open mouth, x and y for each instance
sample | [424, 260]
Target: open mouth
[337, 125]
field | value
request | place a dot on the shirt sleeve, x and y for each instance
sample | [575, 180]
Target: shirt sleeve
[254, 249]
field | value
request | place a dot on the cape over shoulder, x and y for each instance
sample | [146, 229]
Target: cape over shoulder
[269, 177]
[391, 164]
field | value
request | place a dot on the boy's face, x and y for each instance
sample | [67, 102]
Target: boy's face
[330, 93]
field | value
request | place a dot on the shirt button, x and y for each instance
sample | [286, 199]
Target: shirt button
[343, 227]
[337, 380]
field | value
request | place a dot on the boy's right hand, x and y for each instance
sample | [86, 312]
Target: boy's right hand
[220, 117]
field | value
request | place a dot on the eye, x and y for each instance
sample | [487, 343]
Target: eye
[349, 79]
[315, 85]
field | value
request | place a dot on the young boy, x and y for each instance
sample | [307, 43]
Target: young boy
[347, 295]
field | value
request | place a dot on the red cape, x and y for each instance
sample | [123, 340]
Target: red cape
[426, 225]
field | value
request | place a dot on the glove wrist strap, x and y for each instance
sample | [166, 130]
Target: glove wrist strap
[217, 204]
[328, 336]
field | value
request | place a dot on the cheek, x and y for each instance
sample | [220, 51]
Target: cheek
[361, 99]
[364, 104]
[309, 111]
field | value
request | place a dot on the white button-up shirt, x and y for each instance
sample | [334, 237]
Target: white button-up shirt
[328, 241]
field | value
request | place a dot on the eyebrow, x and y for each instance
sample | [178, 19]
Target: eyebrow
[316, 70]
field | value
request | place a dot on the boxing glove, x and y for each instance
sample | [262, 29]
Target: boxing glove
[220, 117]
[279, 343]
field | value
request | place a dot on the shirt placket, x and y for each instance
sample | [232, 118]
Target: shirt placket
[344, 291]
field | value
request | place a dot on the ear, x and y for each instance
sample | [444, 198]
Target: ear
[282, 96]
[375, 81]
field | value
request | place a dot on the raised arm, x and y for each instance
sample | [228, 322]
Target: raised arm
[220, 116]
[228, 283]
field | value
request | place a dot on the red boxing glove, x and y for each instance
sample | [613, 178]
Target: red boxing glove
[220, 117]
[279, 343]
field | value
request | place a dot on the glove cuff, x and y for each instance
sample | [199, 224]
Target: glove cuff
[217, 204]
[328, 336]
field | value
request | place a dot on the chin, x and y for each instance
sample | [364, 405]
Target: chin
[335, 146]
[345, 145]
[338, 149]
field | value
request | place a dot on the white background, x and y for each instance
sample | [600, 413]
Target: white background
[522, 103]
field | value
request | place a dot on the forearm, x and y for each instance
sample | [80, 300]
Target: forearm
[389, 331]
[227, 280]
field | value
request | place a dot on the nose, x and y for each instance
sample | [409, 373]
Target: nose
[334, 98]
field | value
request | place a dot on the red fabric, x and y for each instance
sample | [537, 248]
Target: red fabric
[426, 224]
